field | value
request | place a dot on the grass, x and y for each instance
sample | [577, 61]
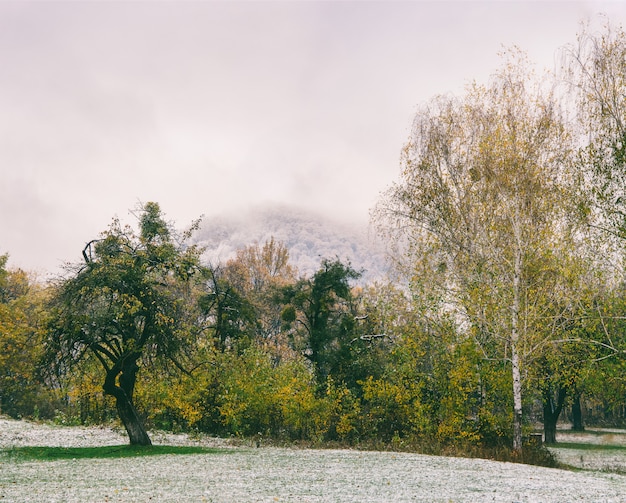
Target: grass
[43, 453]
[592, 450]
[588, 447]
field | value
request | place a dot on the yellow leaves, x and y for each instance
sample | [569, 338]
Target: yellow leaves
[187, 410]
[163, 319]
[454, 430]
[383, 391]
[390, 405]
[130, 305]
[345, 426]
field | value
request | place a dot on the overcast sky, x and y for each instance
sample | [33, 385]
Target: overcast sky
[207, 107]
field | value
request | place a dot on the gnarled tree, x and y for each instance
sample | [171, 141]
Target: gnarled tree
[126, 305]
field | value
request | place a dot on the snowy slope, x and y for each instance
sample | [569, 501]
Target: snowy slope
[309, 238]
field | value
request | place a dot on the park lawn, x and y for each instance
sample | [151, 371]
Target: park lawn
[216, 471]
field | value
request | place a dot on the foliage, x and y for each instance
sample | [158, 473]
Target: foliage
[318, 314]
[228, 315]
[259, 274]
[507, 225]
[595, 72]
[480, 176]
[22, 393]
[247, 394]
[126, 305]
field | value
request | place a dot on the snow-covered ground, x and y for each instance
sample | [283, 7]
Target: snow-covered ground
[26, 433]
[606, 451]
[246, 474]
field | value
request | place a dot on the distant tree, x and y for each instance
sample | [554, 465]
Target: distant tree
[3, 277]
[320, 306]
[603, 331]
[126, 306]
[561, 373]
[259, 272]
[229, 317]
[595, 70]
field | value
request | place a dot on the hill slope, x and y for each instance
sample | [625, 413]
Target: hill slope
[308, 237]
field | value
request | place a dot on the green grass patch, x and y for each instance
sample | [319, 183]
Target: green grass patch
[579, 446]
[104, 452]
[594, 433]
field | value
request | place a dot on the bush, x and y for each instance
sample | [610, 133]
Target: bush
[251, 394]
[393, 410]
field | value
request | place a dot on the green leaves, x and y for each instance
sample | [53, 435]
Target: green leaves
[321, 305]
[124, 307]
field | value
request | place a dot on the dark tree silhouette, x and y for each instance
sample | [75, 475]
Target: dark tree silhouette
[321, 305]
[125, 303]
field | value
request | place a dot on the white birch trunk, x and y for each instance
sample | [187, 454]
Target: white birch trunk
[515, 362]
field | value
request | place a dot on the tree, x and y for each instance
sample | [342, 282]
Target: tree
[22, 300]
[595, 70]
[259, 273]
[320, 305]
[602, 330]
[560, 370]
[125, 306]
[482, 208]
[226, 311]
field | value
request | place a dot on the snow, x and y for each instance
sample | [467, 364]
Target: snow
[268, 474]
[610, 457]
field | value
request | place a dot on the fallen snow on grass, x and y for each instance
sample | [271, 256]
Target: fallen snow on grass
[245, 474]
[26, 434]
[593, 436]
[598, 449]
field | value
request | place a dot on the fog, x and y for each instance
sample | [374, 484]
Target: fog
[211, 107]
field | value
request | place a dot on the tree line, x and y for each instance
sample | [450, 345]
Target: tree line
[506, 306]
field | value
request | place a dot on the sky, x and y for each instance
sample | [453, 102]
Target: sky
[210, 107]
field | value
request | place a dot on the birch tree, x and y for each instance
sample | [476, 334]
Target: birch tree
[595, 70]
[481, 208]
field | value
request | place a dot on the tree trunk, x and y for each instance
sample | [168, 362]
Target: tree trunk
[123, 394]
[517, 399]
[577, 414]
[137, 433]
[515, 362]
[551, 411]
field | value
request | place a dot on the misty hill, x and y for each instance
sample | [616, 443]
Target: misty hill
[309, 237]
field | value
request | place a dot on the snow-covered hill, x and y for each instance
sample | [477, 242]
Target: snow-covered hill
[309, 237]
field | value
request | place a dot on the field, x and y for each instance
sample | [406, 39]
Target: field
[47, 463]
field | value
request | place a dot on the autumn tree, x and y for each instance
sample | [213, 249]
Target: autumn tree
[595, 71]
[22, 313]
[125, 306]
[259, 273]
[228, 316]
[602, 371]
[561, 371]
[481, 208]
